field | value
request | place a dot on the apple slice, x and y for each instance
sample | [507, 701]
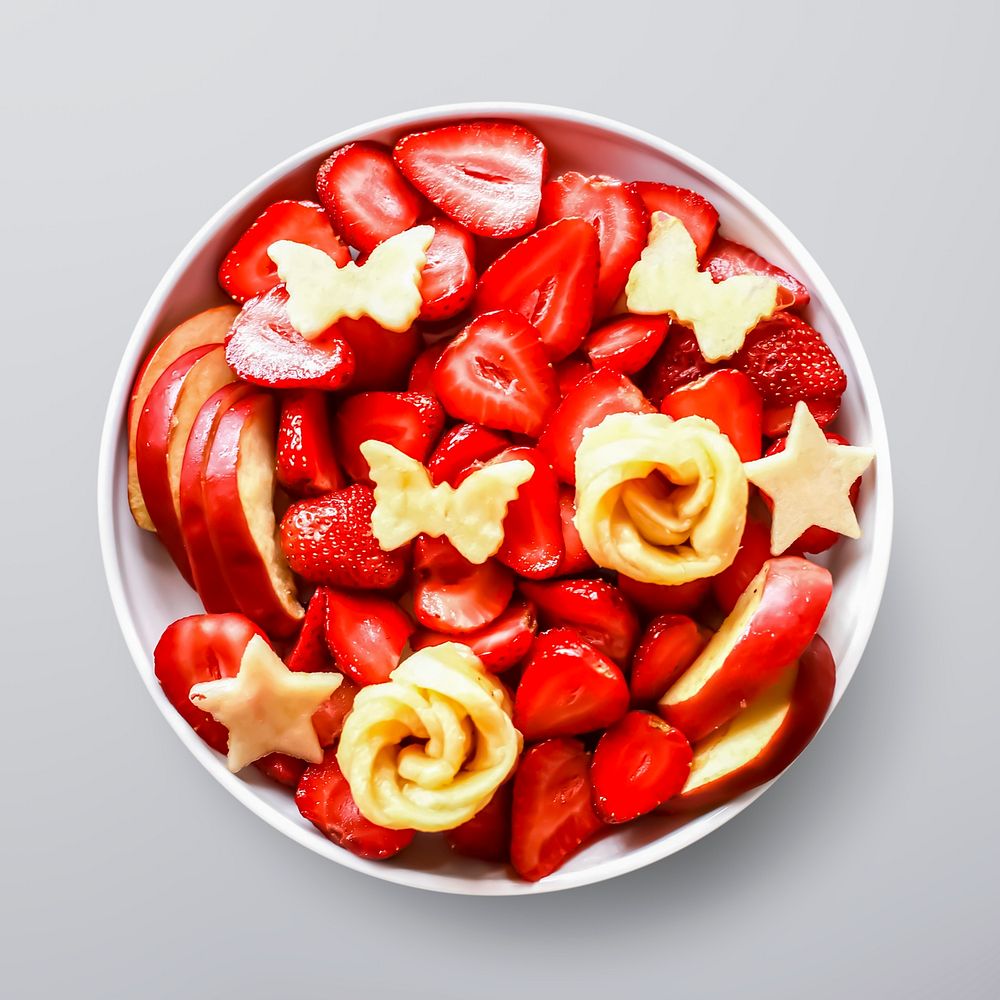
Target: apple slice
[768, 629]
[765, 737]
[208, 327]
[238, 484]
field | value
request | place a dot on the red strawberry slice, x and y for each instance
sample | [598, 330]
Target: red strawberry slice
[550, 278]
[553, 813]
[639, 763]
[329, 540]
[486, 175]
[366, 634]
[382, 358]
[309, 652]
[495, 373]
[280, 767]
[463, 446]
[677, 362]
[617, 214]
[328, 719]
[422, 372]
[659, 599]
[410, 421]
[727, 398]
[324, 798]
[726, 259]
[487, 835]
[595, 609]
[668, 647]
[626, 344]
[698, 214]
[595, 397]
[754, 551]
[571, 371]
[576, 559]
[306, 463]
[247, 270]
[448, 280]
[453, 595]
[367, 197]
[263, 347]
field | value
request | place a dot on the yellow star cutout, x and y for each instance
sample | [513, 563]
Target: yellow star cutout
[266, 707]
[809, 482]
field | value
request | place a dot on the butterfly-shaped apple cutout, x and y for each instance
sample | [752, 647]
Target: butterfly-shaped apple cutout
[666, 281]
[471, 515]
[386, 287]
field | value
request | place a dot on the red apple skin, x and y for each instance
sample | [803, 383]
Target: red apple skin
[793, 597]
[810, 701]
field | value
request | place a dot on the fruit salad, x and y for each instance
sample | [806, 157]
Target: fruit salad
[502, 492]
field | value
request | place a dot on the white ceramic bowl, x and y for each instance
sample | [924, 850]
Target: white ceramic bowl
[148, 593]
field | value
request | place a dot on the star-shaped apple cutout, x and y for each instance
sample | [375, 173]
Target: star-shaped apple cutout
[266, 707]
[809, 482]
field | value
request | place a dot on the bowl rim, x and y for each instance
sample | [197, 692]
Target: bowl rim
[633, 859]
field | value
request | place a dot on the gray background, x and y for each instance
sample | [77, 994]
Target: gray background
[871, 869]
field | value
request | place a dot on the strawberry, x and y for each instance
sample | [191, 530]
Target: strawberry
[596, 610]
[495, 373]
[617, 214]
[486, 175]
[382, 358]
[626, 344]
[328, 719]
[366, 634]
[448, 279]
[487, 835]
[306, 463]
[329, 540]
[568, 687]
[463, 446]
[576, 559]
[309, 653]
[324, 798]
[451, 594]
[727, 398]
[571, 371]
[550, 278]
[247, 270]
[699, 215]
[658, 598]
[410, 421]
[667, 648]
[422, 372]
[788, 361]
[754, 551]
[585, 406]
[264, 348]
[367, 197]
[280, 767]
[638, 764]
[726, 258]
[677, 362]
[552, 812]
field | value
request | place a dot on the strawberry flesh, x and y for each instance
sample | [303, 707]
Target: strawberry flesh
[677, 362]
[668, 647]
[487, 835]
[626, 344]
[659, 598]
[463, 446]
[366, 634]
[306, 463]
[382, 358]
[754, 551]
[698, 214]
[726, 259]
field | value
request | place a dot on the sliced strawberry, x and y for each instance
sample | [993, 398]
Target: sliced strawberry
[639, 763]
[585, 406]
[754, 551]
[280, 767]
[726, 259]
[486, 175]
[727, 398]
[461, 447]
[328, 719]
[367, 197]
[410, 421]
[453, 595]
[382, 358]
[668, 647]
[495, 373]
[324, 798]
[422, 373]
[309, 653]
[366, 634]
[247, 270]
[576, 559]
[264, 348]
[571, 371]
[306, 462]
[329, 540]
[553, 812]
[448, 280]
[550, 278]
[677, 362]
[659, 599]
[626, 344]
[698, 214]
[617, 214]
[487, 835]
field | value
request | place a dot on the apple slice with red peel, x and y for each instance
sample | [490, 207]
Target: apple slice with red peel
[770, 627]
[366, 634]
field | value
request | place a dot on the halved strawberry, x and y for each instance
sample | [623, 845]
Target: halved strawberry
[366, 634]
[576, 559]
[382, 358]
[329, 540]
[617, 214]
[306, 463]
[638, 764]
[553, 812]
[328, 719]
[410, 421]
[754, 551]
[280, 767]
[585, 406]
[668, 647]
[486, 175]
[422, 373]
[461, 447]
[495, 373]
[627, 343]
[309, 652]
[698, 214]
[247, 270]
[451, 594]
[263, 347]
[324, 798]
[571, 371]
[487, 835]
[726, 259]
[727, 398]
[550, 278]
[448, 280]
[367, 197]
[659, 599]
[677, 362]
